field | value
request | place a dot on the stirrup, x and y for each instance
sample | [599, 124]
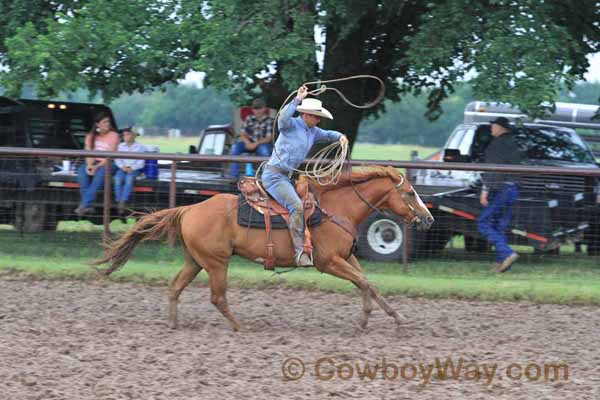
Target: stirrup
[298, 258]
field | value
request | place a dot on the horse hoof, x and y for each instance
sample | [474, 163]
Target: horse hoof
[173, 325]
[362, 324]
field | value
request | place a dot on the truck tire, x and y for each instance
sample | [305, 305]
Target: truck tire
[381, 238]
[428, 243]
[477, 245]
[34, 218]
[51, 223]
[593, 239]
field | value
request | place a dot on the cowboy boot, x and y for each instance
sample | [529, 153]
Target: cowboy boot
[296, 227]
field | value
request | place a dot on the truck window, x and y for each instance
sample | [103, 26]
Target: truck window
[481, 140]
[465, 144]
[57, 134]
[7, 130]
[213, 143]
[455, 138]
[548, 143]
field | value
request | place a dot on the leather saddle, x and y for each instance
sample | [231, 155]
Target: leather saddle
[257, 198]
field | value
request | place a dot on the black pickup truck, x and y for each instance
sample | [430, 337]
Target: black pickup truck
[551, 209]
[38, 192]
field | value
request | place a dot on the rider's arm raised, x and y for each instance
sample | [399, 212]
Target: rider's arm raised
[284, 122]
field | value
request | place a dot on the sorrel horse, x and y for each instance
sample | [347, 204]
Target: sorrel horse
[210, 235]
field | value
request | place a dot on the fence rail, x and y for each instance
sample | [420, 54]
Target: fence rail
[545, 170]
[464, 207]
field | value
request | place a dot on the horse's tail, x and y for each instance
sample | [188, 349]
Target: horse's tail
[150, 227]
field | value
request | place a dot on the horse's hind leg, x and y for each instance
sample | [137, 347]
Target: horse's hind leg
[217, 278]
[180, 281]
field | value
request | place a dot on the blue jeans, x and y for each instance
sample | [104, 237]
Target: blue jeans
[282, 190]
[124, 183]
[238, 148]
[494, 219]
[89, 185]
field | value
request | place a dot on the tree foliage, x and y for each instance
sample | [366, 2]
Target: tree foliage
[521, 50]
[192, 109]
[183, 107]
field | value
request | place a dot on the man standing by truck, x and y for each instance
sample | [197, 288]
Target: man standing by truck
[499, 192]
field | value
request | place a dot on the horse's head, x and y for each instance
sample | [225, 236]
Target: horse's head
[379, 188]
[404, 201]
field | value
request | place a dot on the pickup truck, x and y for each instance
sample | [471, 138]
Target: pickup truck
[551, 209]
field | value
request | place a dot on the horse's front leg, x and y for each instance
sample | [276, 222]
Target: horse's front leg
[343, 269]
[366, 295]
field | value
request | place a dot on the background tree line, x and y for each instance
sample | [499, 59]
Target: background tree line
[191, 109]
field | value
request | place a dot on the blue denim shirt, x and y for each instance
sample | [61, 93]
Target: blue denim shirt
[296, 139]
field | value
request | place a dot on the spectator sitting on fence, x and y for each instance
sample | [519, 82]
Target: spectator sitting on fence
[90, 174]
[499, 192]
[255, 136]
[127, 169]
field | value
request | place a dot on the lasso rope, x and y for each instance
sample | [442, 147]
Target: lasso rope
[327, 164]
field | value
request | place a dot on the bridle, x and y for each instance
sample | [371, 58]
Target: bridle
[376, 208]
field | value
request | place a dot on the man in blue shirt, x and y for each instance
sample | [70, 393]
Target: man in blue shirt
[296, 137]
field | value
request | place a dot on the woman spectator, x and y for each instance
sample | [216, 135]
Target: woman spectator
[90, 174]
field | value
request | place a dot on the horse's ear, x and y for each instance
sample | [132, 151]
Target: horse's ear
[395, 174]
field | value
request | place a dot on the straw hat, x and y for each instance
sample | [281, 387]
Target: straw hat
[314, 107]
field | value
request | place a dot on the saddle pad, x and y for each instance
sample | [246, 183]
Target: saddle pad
[249, 217]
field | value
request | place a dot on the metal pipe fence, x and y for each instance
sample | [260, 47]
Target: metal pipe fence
[542, 222]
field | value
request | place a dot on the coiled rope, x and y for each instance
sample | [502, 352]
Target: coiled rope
[327, 164]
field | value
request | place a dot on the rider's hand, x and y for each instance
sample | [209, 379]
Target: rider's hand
[251, 146]
[483, 199]
[343, 140]
[302, 93]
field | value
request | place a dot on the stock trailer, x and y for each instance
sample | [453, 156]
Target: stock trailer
[38, 192]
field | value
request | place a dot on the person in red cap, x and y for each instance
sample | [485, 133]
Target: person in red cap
[255, 137]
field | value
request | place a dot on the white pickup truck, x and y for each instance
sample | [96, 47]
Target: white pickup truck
[551, 210]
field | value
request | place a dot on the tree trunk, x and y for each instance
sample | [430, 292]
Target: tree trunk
[343, 58]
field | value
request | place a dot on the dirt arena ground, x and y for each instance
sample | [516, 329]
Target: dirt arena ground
[104, 340]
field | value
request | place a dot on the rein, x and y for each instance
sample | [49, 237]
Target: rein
[384, 198]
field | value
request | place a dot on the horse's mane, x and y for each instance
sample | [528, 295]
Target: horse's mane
[357, 175]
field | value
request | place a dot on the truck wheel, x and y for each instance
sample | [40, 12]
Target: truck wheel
[31, 218]
[381, 238]
[593, 240]
[428, 243]
[51, 222]
[477, 245]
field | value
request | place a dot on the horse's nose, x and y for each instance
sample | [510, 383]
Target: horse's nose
[429, 220]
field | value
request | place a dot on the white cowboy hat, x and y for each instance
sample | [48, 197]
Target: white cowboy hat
[314, 107]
